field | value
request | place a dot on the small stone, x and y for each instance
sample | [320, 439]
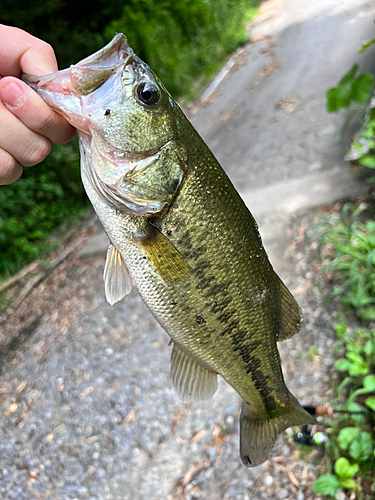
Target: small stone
[340, 495]
[300, 495]
[248, 483]
[229, 420]
[282, 494]
[268, 480]
[285, 450]
[95, 455]
[13, 407]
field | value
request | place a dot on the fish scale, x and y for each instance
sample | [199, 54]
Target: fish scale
[180, 234]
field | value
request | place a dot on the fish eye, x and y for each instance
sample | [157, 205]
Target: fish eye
[148, 93]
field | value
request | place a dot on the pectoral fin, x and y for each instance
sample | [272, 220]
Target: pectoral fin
[117, 281]
[163, 254]
[191, 380]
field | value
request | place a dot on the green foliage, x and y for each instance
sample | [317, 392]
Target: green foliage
[352, 258]
[182, 41]
[357, 89]
[327, 485]
[74, 28]
[31, 208]
[366, 45]
[350, 454]
[350, 88]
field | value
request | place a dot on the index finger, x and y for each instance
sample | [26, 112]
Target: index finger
[21, 53]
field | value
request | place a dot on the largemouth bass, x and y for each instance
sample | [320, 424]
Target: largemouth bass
[182, 235]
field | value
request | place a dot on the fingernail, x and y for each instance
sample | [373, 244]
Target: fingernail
[12, 95]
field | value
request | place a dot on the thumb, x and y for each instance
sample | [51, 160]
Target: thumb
[21, 53]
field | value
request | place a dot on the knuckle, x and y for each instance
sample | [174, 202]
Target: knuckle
[44, 122]
[36, 152]
[66, 135]
[47, 48]
[10, 169]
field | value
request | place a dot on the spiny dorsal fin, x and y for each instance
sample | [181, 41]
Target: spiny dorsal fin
[291, 314]
[165, 257]
[191, 380]
[117, 281]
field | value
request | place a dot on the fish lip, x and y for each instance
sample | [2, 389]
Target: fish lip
[63, 89]
[111, 57]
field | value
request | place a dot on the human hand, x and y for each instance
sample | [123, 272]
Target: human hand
[27, 124]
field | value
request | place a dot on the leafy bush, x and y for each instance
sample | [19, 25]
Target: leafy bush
[351, 451]
[357, 89]
[31, 208]
[183, 40]
[351, 256]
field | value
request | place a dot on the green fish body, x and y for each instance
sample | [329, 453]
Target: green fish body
[181, 234]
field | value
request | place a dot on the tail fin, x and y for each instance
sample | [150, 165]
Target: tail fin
[258, 436]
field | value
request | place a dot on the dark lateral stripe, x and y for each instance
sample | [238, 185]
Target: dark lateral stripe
[254, 368]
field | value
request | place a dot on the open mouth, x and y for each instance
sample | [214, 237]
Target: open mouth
[63, 89]
[87, 75]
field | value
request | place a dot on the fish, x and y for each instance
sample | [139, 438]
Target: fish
[181, 234]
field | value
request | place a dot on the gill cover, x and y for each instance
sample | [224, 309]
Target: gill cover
[130, 150]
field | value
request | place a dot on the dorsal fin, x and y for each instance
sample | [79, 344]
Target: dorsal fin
[291, 314]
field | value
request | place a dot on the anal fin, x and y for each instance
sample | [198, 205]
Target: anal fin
[191, 380]
[117, 281]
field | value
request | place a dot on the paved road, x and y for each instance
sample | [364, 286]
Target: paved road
[267, 120]
[86, 403]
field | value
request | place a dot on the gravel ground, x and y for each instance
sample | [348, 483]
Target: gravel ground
[88, 410]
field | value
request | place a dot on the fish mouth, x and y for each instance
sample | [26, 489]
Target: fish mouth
[62, 90]
[87, 75]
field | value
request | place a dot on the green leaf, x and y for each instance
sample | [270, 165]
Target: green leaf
[367, 161]
[355, 358]
[366, 45]
[342, 365]
[337, 98]
[369, 348]
[370, 402]
[369, 382]
[355, 407]
[346, 436]
[349, 76]
[347, 483]
[356, 370]
[361, 447]
[344, 469]
[368, 314]
[344, 383]
[361, 88]
[327, 485]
